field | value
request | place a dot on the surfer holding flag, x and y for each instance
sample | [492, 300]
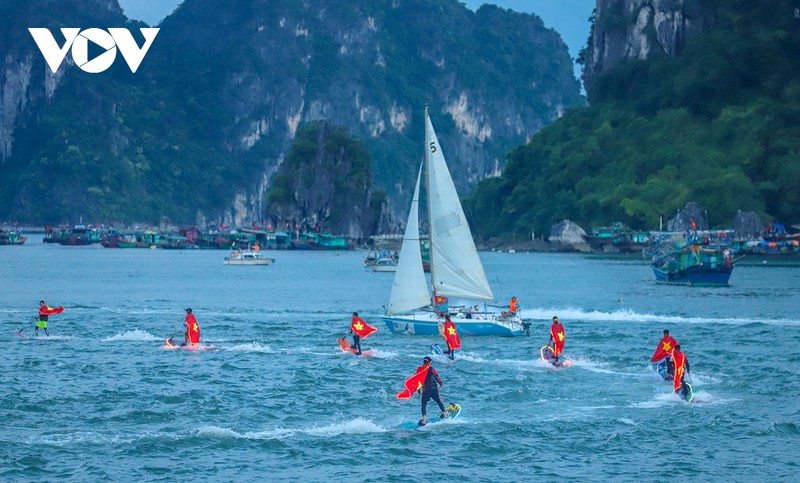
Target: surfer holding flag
[682, 367]
[450, 334]
[427, 380]
[557, 337]
[45, 312]
[664, 350]
[359, 329]
[192, 335]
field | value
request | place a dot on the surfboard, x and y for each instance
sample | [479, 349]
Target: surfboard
[687, 396]
[547, 355]
[453, 412]
[169, 344]
[346, 346]
[661, 369]
[436, 350]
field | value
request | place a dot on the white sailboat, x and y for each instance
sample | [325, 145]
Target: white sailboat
[456, 269]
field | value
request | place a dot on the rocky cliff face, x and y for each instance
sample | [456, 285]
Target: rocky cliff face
[638, 29]
[24, 85]
[203, 126]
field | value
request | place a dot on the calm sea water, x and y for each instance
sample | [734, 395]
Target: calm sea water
[100, 399]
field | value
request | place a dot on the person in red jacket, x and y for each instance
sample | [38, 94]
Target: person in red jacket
[192, 336]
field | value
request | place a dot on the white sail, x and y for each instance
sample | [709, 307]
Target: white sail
[456, 269]
[410, 289]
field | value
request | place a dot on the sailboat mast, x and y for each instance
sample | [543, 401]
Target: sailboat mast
[429, 145]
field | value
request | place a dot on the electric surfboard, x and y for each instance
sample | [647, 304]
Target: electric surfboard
[687, 394]
[346, 346]
[453, 412]
[170, 344]
[549, 356]
[661, 369]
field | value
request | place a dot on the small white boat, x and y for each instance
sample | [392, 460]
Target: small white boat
[384, 264]
[248, 257]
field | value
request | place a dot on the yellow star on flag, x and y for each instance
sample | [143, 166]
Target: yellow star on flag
[561, 336]
[667, 346]
[451, 330]
[359, 326]
[194, 328]
[419, 385]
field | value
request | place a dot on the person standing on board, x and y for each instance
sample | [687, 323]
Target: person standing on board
[450, 334]
[430, 390]
[681, 369]
[192, 335]
[513, 307]
[557, 337]
[359, 329]
[44, 313]
[664, 350]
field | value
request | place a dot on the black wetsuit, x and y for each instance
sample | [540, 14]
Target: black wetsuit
[431, 391]
[357, 343]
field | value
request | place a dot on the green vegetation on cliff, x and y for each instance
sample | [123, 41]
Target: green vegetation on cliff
[326, 182]
[717, 125]
[203, 124]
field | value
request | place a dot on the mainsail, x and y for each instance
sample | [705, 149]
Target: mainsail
[410, 289]
[456, 269]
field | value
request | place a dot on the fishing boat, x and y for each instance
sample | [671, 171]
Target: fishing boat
[691, 258]
[8, 237]
[456, 269]
[248, 257]
[384, 264]
[617, 239]
[381, 260]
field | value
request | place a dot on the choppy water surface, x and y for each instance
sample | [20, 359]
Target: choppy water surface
[100, 399]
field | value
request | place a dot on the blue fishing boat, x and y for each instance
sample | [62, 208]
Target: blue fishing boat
[692, 258]
[456, 269]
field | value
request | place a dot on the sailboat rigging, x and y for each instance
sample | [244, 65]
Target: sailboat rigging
[456, 268]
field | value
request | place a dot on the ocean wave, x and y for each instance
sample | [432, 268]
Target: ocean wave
[631, 316]
[137, 335]
[354, 426]
[250, 347]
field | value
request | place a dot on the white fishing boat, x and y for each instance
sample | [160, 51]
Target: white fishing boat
[456, 269]
[384, 264]
[248, 257]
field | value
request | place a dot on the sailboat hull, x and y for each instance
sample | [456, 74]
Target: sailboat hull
[428, 324]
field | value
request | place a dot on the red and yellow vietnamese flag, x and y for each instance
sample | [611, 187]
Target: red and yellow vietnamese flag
[665, 346]
[680, 367]
[451, 335]
[361, 328]
[47, 310]
[558, 335]
[414, 383]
